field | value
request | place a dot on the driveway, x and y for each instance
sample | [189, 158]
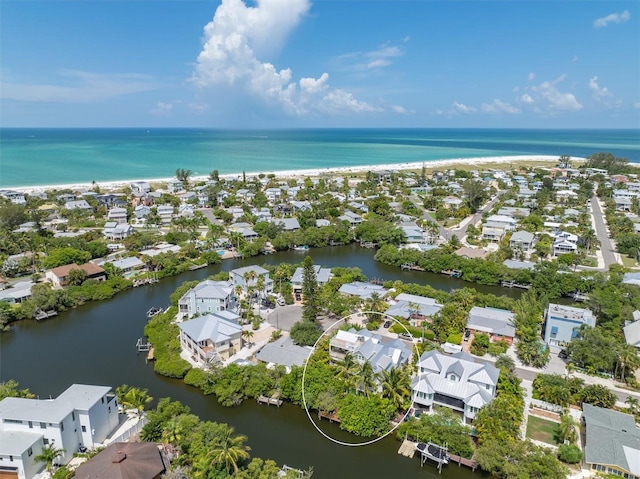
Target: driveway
[606, 246]
[284, 317]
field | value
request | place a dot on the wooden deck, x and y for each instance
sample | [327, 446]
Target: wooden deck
[269, 401]
[407, 448]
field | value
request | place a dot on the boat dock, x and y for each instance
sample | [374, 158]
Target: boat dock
[197, 266]
[142, 345]
[434, 452]
[331, 417]
[40, 314]
[407, 448]
[270, 400]
[411, 267]
[453, 273]
[513, 284]
[144, 281]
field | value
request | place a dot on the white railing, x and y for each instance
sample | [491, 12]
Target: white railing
[126, 435]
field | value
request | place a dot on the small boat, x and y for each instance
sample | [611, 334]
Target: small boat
[153, 312]
[303, 247]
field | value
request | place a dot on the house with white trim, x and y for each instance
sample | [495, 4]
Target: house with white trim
[455, 381]
[563, 323]
[119, 215]
[82, 416]
[207, 297]
[497, 323]
[212, 337]
[521, 241]
[237, 278]
[413, 307]
[382, 353]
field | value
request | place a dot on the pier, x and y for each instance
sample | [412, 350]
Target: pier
[144, 281]
[513, 284]
[270, 400]
[142, 345]
[434, 452]
[411, 267]
[407, 448]
[197, 266]
[40, 314]
[453, 273]
[331, 417]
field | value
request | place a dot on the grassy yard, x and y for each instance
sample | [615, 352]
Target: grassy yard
[541, 430]
[629, 262]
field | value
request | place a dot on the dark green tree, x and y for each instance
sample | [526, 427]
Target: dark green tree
[310, 291]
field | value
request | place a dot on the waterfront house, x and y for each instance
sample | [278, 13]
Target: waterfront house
[58, 276]
[470, 253]
[382, 353]
[212, 337]
[323, 275]
[119, 215]
[563, 322]
[362, 290]
[414, 308]
[514, 264]
[140, 188]
[17, 293]
[352, 218]
[160, 248]
[174, 186]
[125, 460]
[612, 442]
[453, 381]
[283, 352]
[127, 265]
[82, 416]
[497, 323]
[288, 224]
[77, 205]
[207, 297]
[247, 277]
[16, 197]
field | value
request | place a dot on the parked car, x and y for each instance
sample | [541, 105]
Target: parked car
[387, 324]
[563, 354]
[280, 301]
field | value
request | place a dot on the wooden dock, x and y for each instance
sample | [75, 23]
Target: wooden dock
[331, 417]
[40, 314]
[197, 266]
[407, 448]
[411, 267]
[269, 401]
[461, 461]
[513, 284]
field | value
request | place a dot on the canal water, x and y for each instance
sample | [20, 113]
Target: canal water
[95, 344]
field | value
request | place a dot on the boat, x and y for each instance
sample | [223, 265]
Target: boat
[434, 452]
[303, 247]
[154, 311]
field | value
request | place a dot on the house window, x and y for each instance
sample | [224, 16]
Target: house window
[29, 452]
[45, 441]
[61, 426]
[84, 428]
[487, 386]
[30, 424]
[43, 425]
[73, 415]
[102, 400]
[554, 331]
[453, 377]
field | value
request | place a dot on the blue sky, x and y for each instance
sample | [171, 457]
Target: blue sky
[298, 63]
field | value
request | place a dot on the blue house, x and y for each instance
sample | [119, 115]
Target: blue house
[563, 323]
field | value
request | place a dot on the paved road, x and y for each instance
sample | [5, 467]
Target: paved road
[602, 234]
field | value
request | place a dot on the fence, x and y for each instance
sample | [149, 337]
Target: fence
[126, 435]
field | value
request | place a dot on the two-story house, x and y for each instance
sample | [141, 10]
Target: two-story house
[563, 322]
[207, 297]
[212, 337]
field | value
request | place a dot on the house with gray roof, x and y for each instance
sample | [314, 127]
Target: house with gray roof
[612, 442]
[514, 264]
[82, 416]
[77, 205]
[631, 278]
[453, 381]
[117, 231]
[17, 293]
[207, 297]
[283, 352]
[237, 277]
[382, 353]
[497, 323]
[362, 290]
[521, 241]
[632, 333]
[323, 275]
[288, 224]
[212, 337]
[414, 308]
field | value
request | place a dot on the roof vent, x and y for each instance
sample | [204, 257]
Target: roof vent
[118, 457]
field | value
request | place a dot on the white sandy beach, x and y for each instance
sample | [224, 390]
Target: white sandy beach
[114, 185]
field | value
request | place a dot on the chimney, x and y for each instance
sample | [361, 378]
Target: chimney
[118, 457]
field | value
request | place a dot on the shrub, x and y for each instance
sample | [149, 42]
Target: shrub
[454, 338]
[497, 348]
[569, 453]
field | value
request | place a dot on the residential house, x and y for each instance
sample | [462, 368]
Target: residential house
[563, 322]
[127, 265]
[245, 229]
[125, 460]
[564, 243]
[174, 186]
[452, 202]
[323, 275]
[470, 253]
[58, 276]
[514, 212]
[119, 215]
[362, 290]
[16, 197]
[165, 212]
[247, 277]
[514, 264]
[521, 241]
[497, 323]
[17, 293]
[382, 353]
[207, 297]
[65, 197]
[212, 337]
[117, 231]
[288, 224]
[81, 417]
[352, 218]
[140, 188]
[77, 205]
[492, 234]
[507, 223]
[456, 382]
[141, 211]
[413, 233]
[416, 309]
[109, 200]
[631, 278]
[273, 194]
[612, 442]
[566, 195]
[623, 203]
[284, 353]
[160, 248]
[632, 332]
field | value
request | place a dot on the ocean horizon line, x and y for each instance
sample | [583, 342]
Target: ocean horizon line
[303, 128]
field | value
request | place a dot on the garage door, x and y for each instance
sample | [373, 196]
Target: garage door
[5, 474]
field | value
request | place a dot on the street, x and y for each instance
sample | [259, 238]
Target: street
[602, 234]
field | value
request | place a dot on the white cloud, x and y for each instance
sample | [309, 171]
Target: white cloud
[198, 107]
[236, 39]
[575, 58]
[497, 106]
[383, 56]
[598, 93]
[526, 99]
[162, 109]
[79, 87]
[462, 108]
[612, 18]
[531, 76]
[550, 100]
[401, 110]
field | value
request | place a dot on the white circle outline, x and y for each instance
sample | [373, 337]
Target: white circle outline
[304, 372]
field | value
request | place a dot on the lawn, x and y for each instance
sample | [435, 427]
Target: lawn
[628, 262]
[541, 429]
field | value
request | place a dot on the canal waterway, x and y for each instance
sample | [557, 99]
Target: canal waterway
[95, 344]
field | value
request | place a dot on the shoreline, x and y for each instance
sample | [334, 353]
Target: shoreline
[343, 170]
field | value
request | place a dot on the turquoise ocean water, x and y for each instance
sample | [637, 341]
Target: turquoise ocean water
[31, 157]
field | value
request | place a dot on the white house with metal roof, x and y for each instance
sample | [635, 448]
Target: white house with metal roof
[362, 290]
[612, 443]
[632, 332]
[207, 297]
[381, 352]
[454, 381]
[82, 416]
[323, 275]
[563, 322]
[237, 277]
[413, 307]
[211, 338]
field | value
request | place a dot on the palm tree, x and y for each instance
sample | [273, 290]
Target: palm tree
[633, 404]
[375, 304]
[367, 378]
[48, 455]
[567, 429]
[627, 358]
[247, 334]
[136, 398]
[396, 385]
[229, 449]
[347, 368]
